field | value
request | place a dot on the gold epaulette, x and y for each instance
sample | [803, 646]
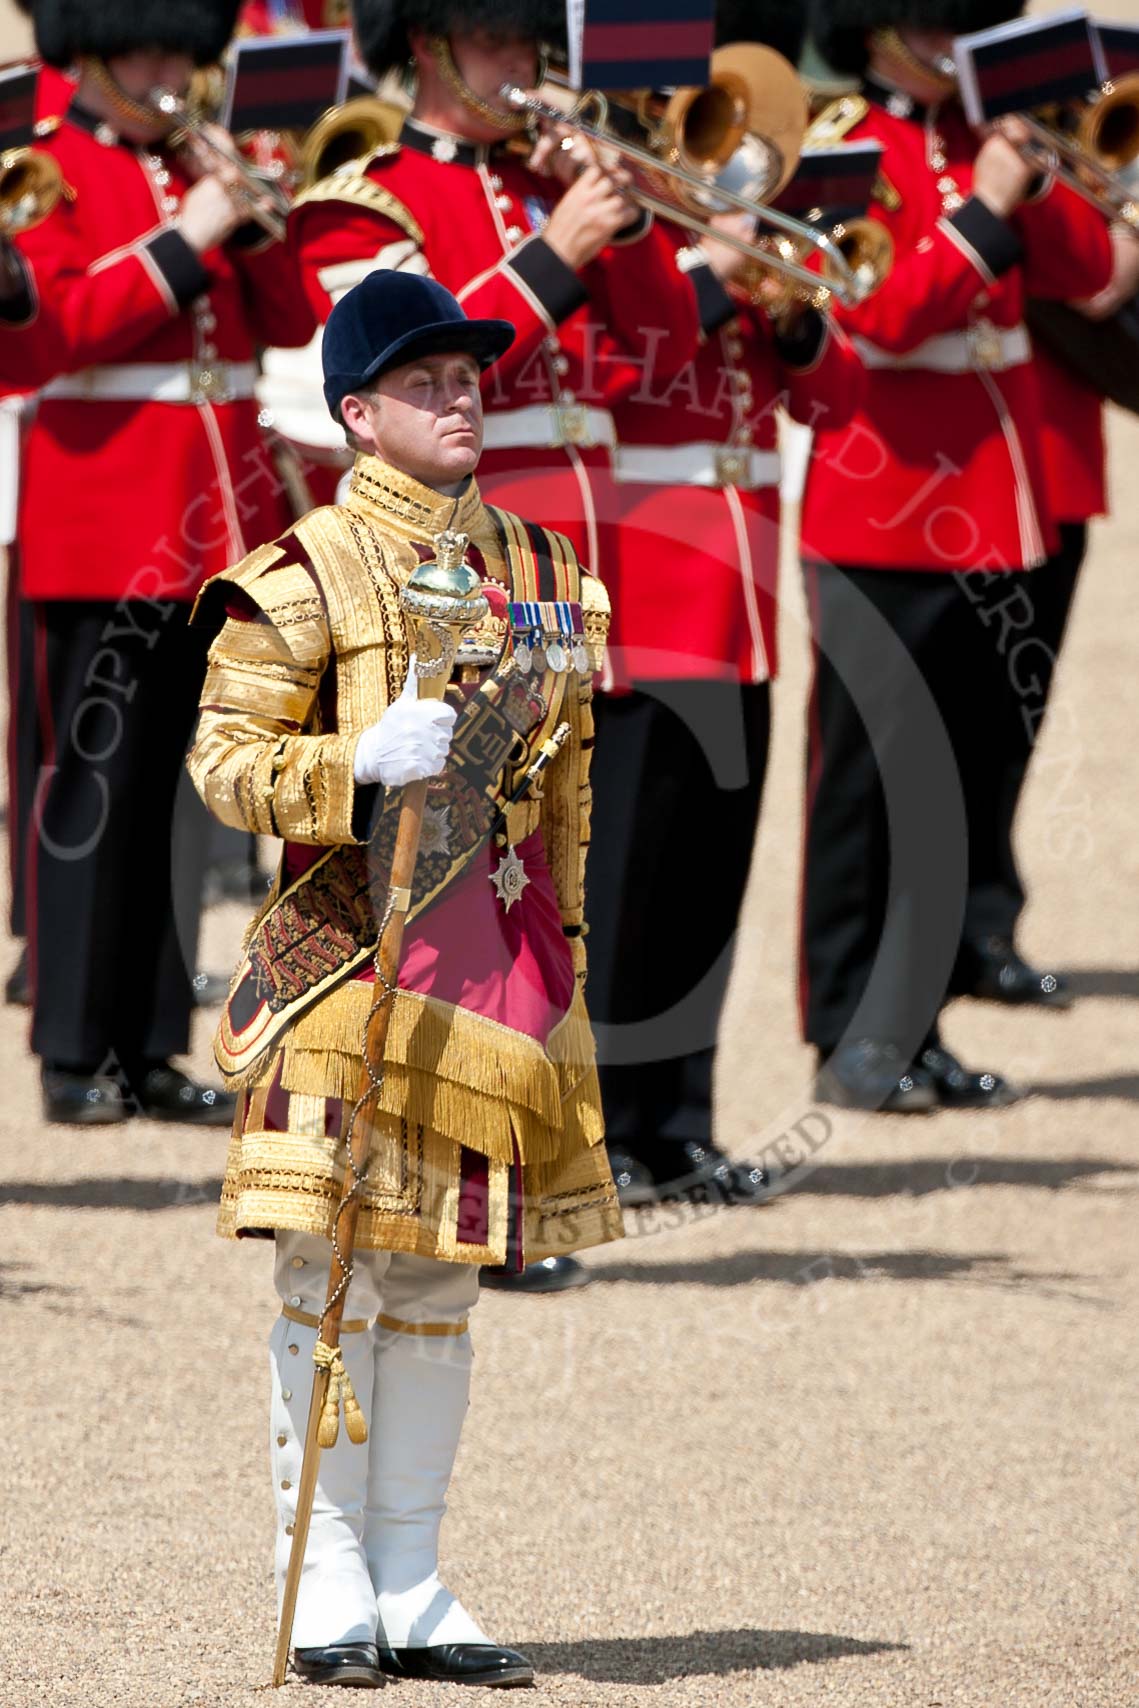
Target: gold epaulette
[836, 121]
[283, 592]
[350, 183]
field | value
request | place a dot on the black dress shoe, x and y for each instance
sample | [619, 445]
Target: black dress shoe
[992, 970]
[871, 1075]
[459, 1663]
[18, 984]
[166, 1094]
[634, 1182]
[686, 1168]
[355, 1665]
[77, 1098]
[550, 1275]
[957, 1088]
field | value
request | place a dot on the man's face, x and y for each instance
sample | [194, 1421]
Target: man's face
[485, 60]
[424, 418]
[932, 47]
[139, 72]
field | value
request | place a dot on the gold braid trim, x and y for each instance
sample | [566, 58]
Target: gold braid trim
[340, 1387]
[451, 1071]
[352, 1325]
[397, 1325]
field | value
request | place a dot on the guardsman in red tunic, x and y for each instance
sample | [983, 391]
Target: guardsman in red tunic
[1075, 470]
[145, 473]
[692, 549]
[922, 522]
[21, 360]
[588, 283]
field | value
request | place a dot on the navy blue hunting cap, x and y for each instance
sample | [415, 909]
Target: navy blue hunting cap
[391, 318]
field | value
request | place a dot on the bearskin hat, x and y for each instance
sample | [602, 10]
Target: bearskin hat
[840, 27]
[381, 26]
[67, 30]
[781, 24]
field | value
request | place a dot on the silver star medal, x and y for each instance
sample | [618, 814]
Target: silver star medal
[510, 879]
[435, 834]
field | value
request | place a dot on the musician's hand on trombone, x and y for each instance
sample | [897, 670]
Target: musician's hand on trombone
[1002, 175]
[725, 261]
[590, 215]
[562, 153]
[1124, 277]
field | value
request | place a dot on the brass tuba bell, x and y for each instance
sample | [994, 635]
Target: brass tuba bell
[31, 183]
[1109, 128]
[345, 133]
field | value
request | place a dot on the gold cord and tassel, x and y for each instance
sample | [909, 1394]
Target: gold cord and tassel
[331, 1358]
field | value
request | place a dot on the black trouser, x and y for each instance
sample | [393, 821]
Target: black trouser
[1032, 647]
[23, 742]
[907, 787]
[118, 832]
[677, 780]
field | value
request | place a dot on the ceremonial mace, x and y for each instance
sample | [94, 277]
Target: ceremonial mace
[443, 598]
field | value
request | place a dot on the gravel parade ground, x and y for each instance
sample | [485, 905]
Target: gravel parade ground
[873, 1445]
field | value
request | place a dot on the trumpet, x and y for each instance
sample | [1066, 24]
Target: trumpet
[723, 149]
[268, 203]
[1090, 157]
[31, 184]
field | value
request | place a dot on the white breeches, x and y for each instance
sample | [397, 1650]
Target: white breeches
[371, 1564]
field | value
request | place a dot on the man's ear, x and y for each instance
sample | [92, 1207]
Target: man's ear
[417, 40]
[354, 415]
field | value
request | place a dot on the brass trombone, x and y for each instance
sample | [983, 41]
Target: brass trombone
[31, 184]
[1090, 157]
[268, 203]
[726, 148]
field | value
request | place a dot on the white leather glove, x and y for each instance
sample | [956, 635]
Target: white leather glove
[410, 741]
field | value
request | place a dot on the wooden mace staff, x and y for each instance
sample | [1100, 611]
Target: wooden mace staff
[443, 598]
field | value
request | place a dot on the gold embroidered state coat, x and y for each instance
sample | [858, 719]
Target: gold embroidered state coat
[311, 646]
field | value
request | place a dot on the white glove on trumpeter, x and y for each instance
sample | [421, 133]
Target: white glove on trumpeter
[411, 740]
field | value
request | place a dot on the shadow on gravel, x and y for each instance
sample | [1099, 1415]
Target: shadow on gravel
[1124, 1086]
[919, 1178]
[121, 1194]
[1103, 981]
[807, 1268]
[656, 1660]
[13, 1290]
